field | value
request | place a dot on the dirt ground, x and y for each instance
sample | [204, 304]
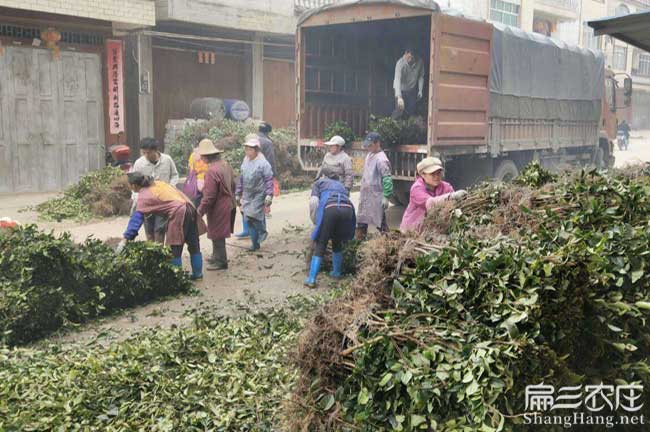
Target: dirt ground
[253, 281]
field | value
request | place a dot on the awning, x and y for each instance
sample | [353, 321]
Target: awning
[632, 28]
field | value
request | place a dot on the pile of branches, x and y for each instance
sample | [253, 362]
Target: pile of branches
[100, 193]
[48, 282]
[545, 280]
[231, 135]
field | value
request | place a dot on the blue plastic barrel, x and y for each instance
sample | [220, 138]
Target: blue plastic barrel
[237, 110]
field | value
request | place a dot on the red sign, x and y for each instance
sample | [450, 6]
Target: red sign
[114, 51]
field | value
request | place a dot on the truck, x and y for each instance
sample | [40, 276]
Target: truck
[496, 97]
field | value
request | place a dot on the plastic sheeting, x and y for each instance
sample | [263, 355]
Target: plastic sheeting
[531, 65]
[536, 77]
[419, 4]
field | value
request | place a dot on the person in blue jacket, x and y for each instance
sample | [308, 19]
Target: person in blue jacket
[333, 214]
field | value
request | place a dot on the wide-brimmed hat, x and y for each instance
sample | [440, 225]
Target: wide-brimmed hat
[429, 165]
[252, 142]
[336, 140]
[207, 148]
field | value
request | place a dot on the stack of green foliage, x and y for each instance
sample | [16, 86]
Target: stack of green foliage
[219, 374]
[47, 282]
[102, 193]
[341, 129]
[523, 285]
[231, 135]
[399, 132]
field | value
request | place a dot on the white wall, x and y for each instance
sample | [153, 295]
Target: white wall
[139, 12]
[272, 16]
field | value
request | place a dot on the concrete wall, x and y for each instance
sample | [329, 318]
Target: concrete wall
[271, 16]
[140, 12]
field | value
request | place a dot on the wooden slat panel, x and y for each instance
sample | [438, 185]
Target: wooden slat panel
[466, 43]
[462, 130]
[466, 62]
[454, 78]
[462, 116]
[466, 27]
[462, 98]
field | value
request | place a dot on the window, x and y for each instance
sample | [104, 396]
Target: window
[504, 12]
[619, 60]
[644, 64]
[589, 40]
[621, 10]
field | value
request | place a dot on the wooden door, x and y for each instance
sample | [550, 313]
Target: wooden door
[51, 118]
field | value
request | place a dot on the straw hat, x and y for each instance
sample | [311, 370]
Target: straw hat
[207, 148]
[429, 165]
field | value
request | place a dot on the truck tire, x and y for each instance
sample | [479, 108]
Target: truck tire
[506, 171]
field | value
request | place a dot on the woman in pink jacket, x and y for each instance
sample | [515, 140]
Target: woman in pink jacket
[427, 190]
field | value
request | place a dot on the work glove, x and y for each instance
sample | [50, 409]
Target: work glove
[458, 195]
[120, 247]
[238, 201]
[268, 200]
[419, 94]
[400, 103]
[384, 203]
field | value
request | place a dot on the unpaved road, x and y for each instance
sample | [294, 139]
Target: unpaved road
[638, 151]
[252, 281]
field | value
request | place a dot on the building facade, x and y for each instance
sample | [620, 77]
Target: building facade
[61, 87]
[566, 20]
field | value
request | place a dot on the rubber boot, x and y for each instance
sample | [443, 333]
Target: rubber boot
[337, 264]
[255, 239]
[178, 262]
[245, 232]
[219, 256]
[197, 266]
[313, 271]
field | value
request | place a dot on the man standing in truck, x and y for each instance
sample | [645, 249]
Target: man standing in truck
[376, 188]
[408, 83]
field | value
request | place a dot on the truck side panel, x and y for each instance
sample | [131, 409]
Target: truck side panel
[460, 62]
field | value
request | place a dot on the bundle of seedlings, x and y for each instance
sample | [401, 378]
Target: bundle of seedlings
[399, 132]
[231, 135]
[444, 329]
[101, 193]
[49, 282]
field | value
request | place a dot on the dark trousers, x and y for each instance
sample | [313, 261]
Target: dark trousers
[190, 233]
[337, 226]
[410, 99]
[383, 228]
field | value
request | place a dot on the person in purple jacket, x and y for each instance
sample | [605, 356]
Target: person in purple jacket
[427, 190]
[255, 191]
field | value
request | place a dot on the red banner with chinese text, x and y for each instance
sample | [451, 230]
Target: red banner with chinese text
[114, 62]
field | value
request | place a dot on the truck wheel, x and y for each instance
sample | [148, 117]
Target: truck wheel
[506, 171]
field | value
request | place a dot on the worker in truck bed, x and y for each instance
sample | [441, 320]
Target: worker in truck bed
[408, 83]
[376, 188]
